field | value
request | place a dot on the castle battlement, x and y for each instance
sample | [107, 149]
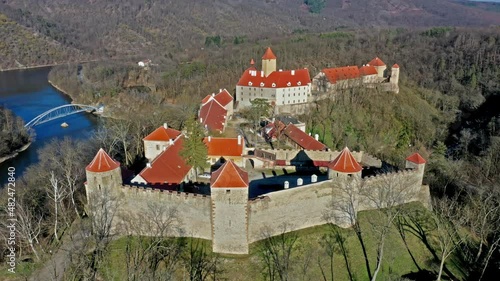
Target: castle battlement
[232, 221]
[132, 190]
[401, 174]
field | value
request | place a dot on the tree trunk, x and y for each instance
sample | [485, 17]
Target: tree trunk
[55, 224]
[441, 267]
[33, 249]
[379, 259]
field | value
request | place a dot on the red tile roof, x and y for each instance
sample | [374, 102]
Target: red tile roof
[341, 73]
[269, 55]
[168, 167]
[206, 99]
[102, 163]
[280, 79]
[229, 176]
[376, 62]
[416, 158]
[213, 115]
[395, 65]
[162, 134]
[224, 146]
[367, 70]
[345, 163]
[302, 139]
[224, 97]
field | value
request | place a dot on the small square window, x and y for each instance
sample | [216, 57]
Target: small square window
[228, 191]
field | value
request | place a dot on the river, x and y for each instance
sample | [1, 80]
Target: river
[28, 93]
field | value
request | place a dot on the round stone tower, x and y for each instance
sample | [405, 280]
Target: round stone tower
[345, 165]
[268, 62]
[379, 66]
[229, 195]
[102, 172]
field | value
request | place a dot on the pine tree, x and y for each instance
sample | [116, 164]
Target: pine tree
[194, 151]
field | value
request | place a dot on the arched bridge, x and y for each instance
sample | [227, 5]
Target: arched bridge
[59, 112]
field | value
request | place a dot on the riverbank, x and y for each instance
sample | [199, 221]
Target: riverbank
[15, 153]
[29, 67]
[44, 65]
[61, 90]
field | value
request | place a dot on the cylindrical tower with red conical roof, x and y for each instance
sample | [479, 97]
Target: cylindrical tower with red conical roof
[102, 172]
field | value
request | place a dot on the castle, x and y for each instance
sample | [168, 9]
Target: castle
[283, 89]
[293, 91]
[232, 220]
[237, 209]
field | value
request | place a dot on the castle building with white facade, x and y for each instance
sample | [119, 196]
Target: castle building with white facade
[281, 88]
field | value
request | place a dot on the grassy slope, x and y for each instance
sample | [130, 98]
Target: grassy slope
[397, 260]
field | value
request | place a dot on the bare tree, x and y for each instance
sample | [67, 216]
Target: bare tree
[29, 226]
[121, 130]
[149, 254]
[277, 252]
[200, 264]
[343, 210]
[448, 220]
[57, 194]
[386, 194]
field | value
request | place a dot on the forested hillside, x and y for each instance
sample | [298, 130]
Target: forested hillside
[445, 72]
[13, 134]
[447, 110]
[136, 28]
[24, 47]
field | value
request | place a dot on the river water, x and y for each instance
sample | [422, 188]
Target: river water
[27, 93]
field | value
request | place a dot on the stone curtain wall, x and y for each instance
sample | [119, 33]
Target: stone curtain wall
[297, 208]
[191, 212]
[306, 206]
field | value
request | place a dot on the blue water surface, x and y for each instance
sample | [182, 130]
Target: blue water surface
[27, 93]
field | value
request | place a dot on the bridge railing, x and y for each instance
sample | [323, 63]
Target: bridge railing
[59, 112]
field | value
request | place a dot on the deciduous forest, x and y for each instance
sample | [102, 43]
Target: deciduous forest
[446, 109]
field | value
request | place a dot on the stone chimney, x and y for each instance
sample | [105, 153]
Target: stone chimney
[316, 137]
[239, 139]
[209, 138]
[148, 165]
[165, 125]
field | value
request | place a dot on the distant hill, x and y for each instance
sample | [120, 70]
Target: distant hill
[138, 27]
[24, 47]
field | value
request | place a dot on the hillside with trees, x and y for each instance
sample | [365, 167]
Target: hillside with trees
[446, 109]
[23, 47]
[159, 29]
[13, 134]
